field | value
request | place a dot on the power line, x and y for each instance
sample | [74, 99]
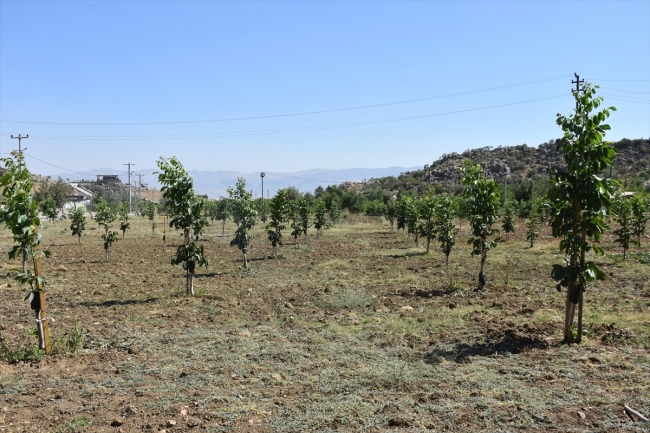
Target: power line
[630, 98]
[626, 91]
[591, 80]
[286, 130]
[359, 107]
[56, 166]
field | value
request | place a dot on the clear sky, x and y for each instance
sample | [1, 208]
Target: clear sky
[98, 84]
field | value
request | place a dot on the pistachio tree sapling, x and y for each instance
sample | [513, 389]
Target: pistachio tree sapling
[185, 213]
[244, 216]
[579, 199]
[105, 215]
[640, 207]
[124, 217]
[78, 222]
[19, 213]
[482, 206]
[320, 216]
[278, 208]
[444, 224]
[622, 210]
[150, 213]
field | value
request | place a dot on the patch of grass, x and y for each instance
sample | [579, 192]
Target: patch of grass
[349, 298]
[70, 342]
[28, 351]
[76, 423]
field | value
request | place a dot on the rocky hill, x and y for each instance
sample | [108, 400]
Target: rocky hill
[522, 163]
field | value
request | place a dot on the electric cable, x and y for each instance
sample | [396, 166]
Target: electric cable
[286, 130]
[359, 107]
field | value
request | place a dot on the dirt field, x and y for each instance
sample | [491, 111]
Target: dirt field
[356, 331]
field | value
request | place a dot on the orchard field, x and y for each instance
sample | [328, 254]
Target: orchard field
[359, 330]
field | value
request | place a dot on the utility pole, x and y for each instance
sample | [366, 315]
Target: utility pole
[140, 185]
[262, 174]
[129, 164]
[19, 138]
[577, 82]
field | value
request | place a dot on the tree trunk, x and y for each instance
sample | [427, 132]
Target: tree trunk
[223, 228]
[446, 259]
[79, 238]
[481, 275]
[153, 229]
[24, 261]
[189, 283]
[579, 336]
[107, 255]
[428, 243]
[245, 261]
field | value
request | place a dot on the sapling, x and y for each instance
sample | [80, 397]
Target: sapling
[622, 210]
[320, 216]
[78, 222]
[509, 218]
[444, 224]
[427, 213]
[304, 213]
[579, 199]
[278, 208]
[19, 213]
[124, 217]
[150, 213]
[482, 207]
[639, 216]
[105, 215]
[244, 215]
[185, 213]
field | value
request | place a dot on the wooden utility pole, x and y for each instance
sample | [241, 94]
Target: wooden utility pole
[19, 138]
[129, 164]
[577, 82]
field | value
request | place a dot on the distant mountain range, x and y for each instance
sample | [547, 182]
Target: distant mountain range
[214, 183]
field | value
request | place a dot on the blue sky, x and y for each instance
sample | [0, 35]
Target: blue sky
[99, 84]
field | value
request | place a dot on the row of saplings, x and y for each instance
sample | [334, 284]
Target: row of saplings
[431, 216]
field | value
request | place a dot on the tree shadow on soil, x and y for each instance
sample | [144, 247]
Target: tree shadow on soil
[121, 303]
[461, 352]
[408, 254]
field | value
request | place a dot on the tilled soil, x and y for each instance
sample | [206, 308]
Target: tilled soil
[359, 330]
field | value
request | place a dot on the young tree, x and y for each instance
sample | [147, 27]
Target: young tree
[294, 217]
[20, 214]
[579, 199]
[622, 210]
[78, 222]
[150, 212]
[304, 214]
[535, 218]
[335, 212]
[639, 216]
[444, 224]
[278, 207]
[48, 208]
[482, 200]
[222, 213]
[428, 215]
[243, 214]
[320, 216]
[509, 218]
[124, 217]
[105, 215]
[185, 213]
[391, 213]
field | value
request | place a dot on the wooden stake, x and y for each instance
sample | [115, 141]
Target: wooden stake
[165, 232]
[44, 339]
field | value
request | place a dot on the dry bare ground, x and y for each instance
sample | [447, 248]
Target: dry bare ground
[356, 331]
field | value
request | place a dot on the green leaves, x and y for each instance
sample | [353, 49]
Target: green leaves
[243, 214]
